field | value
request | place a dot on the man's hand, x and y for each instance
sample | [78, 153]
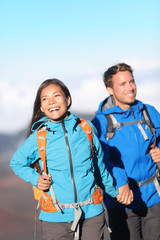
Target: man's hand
[125, 195]
[44, 182]
[155, 154]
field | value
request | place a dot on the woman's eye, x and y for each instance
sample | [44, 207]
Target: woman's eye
[57, 95]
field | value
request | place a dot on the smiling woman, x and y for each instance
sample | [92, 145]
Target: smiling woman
[67, 184]
[51, 95]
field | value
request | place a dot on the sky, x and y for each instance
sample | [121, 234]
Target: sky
[75, 41]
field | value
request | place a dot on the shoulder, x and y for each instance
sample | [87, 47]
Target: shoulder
[30, 142]
[154, 114]
[152, 111]
[26, 152]
[87, 125]
[92, 127]
[100, 123]
[151, 108]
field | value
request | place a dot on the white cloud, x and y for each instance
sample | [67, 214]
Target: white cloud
[18, 95]
[92, 92]
[143, 64]
[149, 92]
[87, 98]
[16, 100]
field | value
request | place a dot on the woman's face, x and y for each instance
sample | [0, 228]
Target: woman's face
[54, 102]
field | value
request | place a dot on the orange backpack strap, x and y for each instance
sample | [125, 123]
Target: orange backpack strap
[88, 131]
[41, 140]
[48, 203]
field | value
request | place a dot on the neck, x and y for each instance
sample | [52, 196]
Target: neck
[61, 118]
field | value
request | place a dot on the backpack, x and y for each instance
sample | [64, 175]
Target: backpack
[113, 124]
[49, 203]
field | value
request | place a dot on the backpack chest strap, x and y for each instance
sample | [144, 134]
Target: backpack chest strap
[155, 178]
[113, 124]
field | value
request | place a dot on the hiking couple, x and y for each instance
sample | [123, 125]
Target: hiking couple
[81, 163]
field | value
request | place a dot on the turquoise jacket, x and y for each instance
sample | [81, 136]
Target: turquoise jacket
[127, 154]
[71, 184]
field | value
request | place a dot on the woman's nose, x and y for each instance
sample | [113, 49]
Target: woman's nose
[51, 100]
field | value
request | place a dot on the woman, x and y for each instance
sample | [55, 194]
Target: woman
[71, 171]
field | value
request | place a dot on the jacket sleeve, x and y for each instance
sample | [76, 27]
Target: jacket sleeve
[23, 158]
[102, 176]
[116, 170]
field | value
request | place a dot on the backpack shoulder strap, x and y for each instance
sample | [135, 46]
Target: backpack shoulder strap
[149, 121]
[111, 125]
[151, 126]
[41, 141]
[84, 124]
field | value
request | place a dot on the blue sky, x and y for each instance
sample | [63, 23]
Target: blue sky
[74, 41]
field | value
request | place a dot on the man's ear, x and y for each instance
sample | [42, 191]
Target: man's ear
[110, 90]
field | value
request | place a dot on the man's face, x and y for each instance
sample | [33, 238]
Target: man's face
[123, 89]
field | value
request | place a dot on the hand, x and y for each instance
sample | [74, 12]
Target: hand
[125, 195]
[44, 182]
[155, 154]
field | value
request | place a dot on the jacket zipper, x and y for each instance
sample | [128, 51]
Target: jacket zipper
[70, 161]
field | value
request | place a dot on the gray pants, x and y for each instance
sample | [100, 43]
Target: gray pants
[135, 225]
[90, 229]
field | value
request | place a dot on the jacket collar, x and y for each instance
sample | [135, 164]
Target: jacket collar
[45, 121]
[108, 106]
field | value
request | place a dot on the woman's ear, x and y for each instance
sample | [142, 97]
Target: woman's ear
[68, 101]
[41, 109]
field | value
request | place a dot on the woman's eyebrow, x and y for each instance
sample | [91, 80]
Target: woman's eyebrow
[52, 93]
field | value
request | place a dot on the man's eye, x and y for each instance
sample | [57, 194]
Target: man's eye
[132, 81]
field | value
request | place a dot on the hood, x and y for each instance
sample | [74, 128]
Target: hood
[108, 106]
[45, 121]
[40, 123]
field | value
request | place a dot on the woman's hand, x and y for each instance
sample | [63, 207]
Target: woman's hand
[125, 195]
[44, 182]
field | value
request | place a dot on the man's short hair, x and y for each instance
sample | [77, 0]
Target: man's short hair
[107, 76]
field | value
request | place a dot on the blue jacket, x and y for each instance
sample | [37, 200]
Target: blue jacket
[127, 154]
[59, 167]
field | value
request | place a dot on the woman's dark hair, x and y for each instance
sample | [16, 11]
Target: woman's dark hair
[37, 113]
[107, 76]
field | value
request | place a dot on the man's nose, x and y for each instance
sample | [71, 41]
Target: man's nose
[130, 87]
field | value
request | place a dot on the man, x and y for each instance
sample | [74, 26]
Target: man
[131, 157]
